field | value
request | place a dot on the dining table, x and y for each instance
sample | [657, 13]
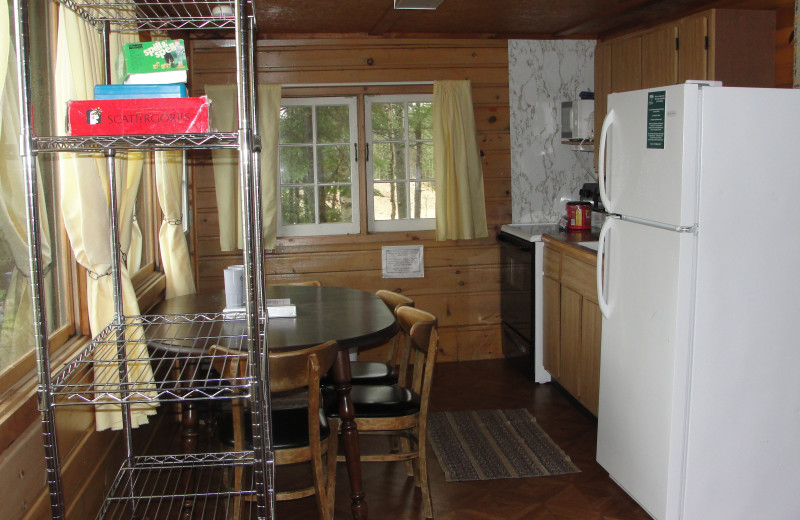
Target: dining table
[355, 319]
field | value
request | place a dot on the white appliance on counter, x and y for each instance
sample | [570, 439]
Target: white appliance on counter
[699, 285]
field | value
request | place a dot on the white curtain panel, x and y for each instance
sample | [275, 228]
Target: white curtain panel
[224, 118]
[460, 203]
[84, 205]
[172, 241]
[16, 335]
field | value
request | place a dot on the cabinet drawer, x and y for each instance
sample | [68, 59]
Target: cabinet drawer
[579, 276]
[552, 263]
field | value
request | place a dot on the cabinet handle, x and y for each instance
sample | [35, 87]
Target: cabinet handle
[355, 147]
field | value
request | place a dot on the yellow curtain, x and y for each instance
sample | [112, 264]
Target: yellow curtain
[460, 203]
[84, 205]
[174, 250]
[16, 336]
[224, 118]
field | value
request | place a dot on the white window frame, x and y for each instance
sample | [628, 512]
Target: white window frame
[406, 224]
[344, 228]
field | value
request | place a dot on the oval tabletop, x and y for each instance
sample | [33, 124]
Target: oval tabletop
[352, 317]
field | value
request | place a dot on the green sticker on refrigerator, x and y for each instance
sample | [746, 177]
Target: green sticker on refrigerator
[656, 112]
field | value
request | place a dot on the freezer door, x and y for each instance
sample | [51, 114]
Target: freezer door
[650, 156]
[644, 362]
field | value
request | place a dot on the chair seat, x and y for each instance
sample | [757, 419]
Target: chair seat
[289, 428]
[376, 401]
[366, 373]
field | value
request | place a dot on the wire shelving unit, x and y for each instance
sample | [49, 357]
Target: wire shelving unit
[184, 485]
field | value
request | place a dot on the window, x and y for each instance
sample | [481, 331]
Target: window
[16, 334]
[319, 176]
[399, 132]
[318, 171]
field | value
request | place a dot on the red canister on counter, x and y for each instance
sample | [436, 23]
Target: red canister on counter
[579, 215]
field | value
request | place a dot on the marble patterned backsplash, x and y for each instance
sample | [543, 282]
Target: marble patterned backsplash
[545, 173]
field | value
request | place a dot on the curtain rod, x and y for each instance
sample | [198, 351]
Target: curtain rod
[368, 84]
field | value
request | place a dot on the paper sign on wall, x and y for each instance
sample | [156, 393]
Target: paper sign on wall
[403, 261]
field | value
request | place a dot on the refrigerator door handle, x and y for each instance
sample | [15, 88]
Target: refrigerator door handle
[605, 308]
[601, 160]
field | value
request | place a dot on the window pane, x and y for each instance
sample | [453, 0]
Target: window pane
[334, 163]
[297, 205]
[333, 124]
[421, 160]
[420, 121]
[296, 125]
[423, 200]
[389, 161]
[297, 164]
[336, 204]
[387, 121]
[16, 333]
[389, 200]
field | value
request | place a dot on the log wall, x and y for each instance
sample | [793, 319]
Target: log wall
[461, 284]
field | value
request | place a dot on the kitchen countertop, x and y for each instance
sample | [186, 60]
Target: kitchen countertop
[570, 239]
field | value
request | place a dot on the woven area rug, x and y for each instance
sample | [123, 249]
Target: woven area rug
[491, 444]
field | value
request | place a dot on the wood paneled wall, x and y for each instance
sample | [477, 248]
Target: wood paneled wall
[461, 284]
[784, 46]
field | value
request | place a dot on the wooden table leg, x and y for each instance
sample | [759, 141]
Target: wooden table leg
[349, 434]
[189, 426]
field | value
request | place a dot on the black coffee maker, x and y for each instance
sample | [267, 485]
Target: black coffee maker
[590, 192]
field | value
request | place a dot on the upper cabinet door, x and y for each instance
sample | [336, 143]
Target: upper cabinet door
[693, 48]
[660, 57]
[626, 64]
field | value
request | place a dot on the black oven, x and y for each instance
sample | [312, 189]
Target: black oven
[521, 269]
[517, 300]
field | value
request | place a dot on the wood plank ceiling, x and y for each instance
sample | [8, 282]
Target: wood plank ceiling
[545, 19]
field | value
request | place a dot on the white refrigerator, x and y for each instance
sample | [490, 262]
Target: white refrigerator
[699, 285]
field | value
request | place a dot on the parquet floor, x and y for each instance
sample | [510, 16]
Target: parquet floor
[589, 495]
[391, 495]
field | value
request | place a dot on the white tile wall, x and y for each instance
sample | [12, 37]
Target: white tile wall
[545, 173]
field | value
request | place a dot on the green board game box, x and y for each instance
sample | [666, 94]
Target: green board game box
[162, 61]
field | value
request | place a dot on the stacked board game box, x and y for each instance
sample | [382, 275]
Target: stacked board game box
[138, 116]
[169, 90]
[162, 61]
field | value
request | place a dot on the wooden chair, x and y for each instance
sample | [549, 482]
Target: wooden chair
[385, 373]
[396, 410]
[299, 434]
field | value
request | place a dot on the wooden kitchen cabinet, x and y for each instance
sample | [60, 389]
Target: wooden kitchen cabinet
[660, 57]
[551, 316]
[572, 321]
[591, 326]
[735, 46]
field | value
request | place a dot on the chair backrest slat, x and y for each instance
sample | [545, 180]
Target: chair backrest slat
[288, 370]
[421, 329]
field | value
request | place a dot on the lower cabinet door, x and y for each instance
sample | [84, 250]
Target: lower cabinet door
[591, 324]
[551, 325]
[571, 307]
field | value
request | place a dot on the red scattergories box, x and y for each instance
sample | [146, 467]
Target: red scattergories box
[138, 116]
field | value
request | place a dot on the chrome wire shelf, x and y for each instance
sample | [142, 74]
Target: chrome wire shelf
[156, 15]
[175, 486]
[99, 143]
[176, 347]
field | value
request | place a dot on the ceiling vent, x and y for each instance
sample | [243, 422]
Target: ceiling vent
[417, 4]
